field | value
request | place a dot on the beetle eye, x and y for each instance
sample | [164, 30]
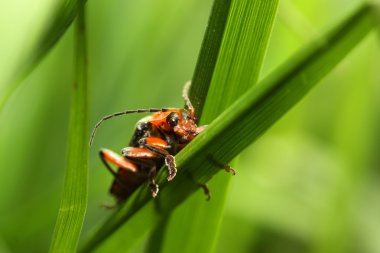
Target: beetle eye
[173, 120]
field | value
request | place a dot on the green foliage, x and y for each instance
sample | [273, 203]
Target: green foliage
[310, 194]
[243, 122]
[74, 200]
[237, 69]
[208, 55]
[61, 20]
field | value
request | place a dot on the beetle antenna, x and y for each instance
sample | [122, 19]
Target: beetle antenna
[185, 95]
[124, 113]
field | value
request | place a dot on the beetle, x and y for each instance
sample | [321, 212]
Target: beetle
[156, 139]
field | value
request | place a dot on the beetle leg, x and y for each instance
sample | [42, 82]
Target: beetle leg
[153, 152]
[158, 145]
[172, 167]
[139, 153]
[110, 156]
[206, 191]
[145, 154]
[152, 183]
[124, 164]
[204, 186]
[228, 169]
[154, 142]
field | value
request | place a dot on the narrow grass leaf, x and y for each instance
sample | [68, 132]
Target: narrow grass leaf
[62, 18]
[241, 124]
[238, 65]
[208, 55]
[74, 200]
[200, 85]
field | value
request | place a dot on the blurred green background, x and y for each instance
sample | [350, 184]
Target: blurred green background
[310, 184]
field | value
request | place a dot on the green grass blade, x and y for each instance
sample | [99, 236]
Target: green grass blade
[243, 48]
[74, 200]
[238, 66]
[61, 20]
[241, 124]
[208, 55]
[201, 81]
[200, 84]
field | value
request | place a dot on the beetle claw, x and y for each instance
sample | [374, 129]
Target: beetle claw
[170, 162]
[154, 189]
[206, 191]
[228, 168]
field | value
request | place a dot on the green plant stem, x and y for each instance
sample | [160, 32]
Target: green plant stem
[237, 68]
[208, 55]
[239, 125]
[201, 81]
[74, 200]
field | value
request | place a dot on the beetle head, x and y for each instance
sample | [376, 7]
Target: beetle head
[183, 125]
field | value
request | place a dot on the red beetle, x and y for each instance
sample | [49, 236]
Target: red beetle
[157, 138]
